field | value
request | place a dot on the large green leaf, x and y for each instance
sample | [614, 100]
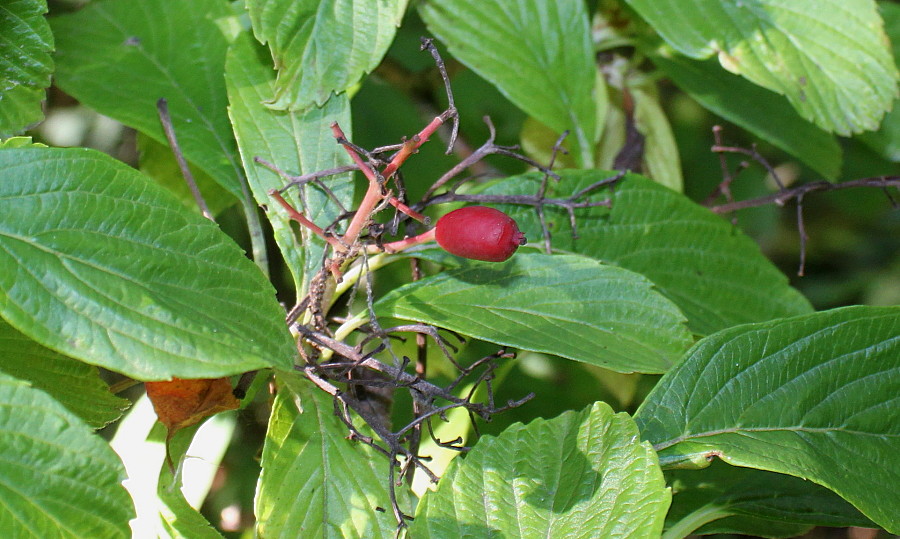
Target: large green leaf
[315, 482]
[716, 275]
[296, 143]
[830, 57]
[103, 265]
[120, 56]
[25, 63]
[582, 474]
[57, 479]
[75, 385]
[814, 396]
[322, 48]
[762, 112]
[729, 499]
[566, 305]
[537, 52]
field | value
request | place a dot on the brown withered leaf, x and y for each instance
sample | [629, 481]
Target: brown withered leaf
[180, 403]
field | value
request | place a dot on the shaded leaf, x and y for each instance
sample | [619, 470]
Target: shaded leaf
[565, 305]
[537, 52]
[25, 63]
[763, 501]
[886, 140]
[813, 396]
[762, 112]
[314, 482]
[57, 478]
[74, 384]
[120, 56]
[296, 143]
[792, 48]
[322, 48]
[715, 274]
[105, 266]
[582, 474]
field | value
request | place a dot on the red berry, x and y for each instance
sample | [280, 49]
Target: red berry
[480, 233]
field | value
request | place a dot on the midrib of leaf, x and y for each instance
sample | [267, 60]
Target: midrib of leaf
[742, 430]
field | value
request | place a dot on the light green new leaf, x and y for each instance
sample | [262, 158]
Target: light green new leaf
[814, 396]
[25, 63]
[537, 52]
[886, 140]
[296, 143]
[661, 160]
[57, 478]
[120, 56]
[762, 112]
[324, 47]
[105, 266]
[582, 474]
[566, 305]
[315, 482]
[729, 499]
[715, 274]
[73, 384]
[829, 57]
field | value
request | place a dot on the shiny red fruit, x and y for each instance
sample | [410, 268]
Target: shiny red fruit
[479, 233]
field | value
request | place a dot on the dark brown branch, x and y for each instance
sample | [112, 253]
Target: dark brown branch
[162, 107]
[782, 197]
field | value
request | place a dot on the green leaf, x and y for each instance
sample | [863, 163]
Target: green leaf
[73, 384]
[57, 478]
[886, 140]
[322, 48]
[830, 58]
[813, 396]
[760, 111]
[177, 517]
[661, 160]
[566, 305]
[120, 56]
[296, 143]
[537, 52]
[101, 264]
[762, 499]
[582, 474]
[20, 142]
[25, 63]
[315, 482]
[715, 274]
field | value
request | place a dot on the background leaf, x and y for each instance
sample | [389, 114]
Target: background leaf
[322, 48]
[314, 482]
[120, 56]
[103, 265]
[298, 143]
[566, 305]
[57, 479]
[157, 161]
[813, 396]
[715, 274]
[830, 58]
[25, 63]
[762, 112]
[759, 502]
[73, 384]
[537, 52]
[582, 474]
